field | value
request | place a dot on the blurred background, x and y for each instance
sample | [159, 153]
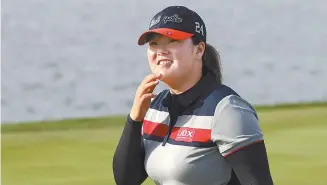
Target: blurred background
[80, 58]
[64, 61]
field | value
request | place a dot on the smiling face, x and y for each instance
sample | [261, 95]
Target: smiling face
[176, 60]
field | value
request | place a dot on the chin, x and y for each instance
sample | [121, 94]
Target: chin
[168, 78]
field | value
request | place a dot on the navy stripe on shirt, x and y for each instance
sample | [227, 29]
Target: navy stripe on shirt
[174, 142]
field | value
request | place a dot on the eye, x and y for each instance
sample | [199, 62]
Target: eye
[153, 43]
[172, 40]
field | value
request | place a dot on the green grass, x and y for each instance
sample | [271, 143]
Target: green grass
[79, 152]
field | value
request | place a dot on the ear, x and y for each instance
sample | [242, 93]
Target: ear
[200, 50]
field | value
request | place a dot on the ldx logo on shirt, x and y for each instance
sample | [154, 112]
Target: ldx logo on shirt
[185, 134]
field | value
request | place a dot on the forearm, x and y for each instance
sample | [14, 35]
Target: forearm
[251, 165]
[128, 158]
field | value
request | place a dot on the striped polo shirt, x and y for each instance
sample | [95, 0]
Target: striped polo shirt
[187, 146]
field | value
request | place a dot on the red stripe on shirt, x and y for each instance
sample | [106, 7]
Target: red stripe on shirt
[155, 129]
[185, 134]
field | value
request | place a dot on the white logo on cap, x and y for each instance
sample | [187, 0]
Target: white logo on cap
[155, 21]
[173, 18]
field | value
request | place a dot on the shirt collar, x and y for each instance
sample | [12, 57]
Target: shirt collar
[201, 89]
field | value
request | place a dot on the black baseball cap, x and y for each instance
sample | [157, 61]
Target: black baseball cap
[176, 22]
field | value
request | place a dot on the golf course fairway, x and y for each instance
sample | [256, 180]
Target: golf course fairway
[80, 151]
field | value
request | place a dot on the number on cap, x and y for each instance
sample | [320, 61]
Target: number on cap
[199, 28]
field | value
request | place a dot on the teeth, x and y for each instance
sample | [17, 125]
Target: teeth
[164, 62]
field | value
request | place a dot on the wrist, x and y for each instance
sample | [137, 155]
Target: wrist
[135, 118]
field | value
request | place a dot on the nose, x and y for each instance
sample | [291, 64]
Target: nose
[162, 51]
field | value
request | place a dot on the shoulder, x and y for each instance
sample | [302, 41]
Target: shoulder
[234, 116]
[219, 93]
[234, 104]
[219, 97]
[235, 124]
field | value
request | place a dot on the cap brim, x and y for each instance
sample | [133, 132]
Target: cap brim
[171, 33]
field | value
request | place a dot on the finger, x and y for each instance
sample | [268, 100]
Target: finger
[148, 78]
[149, 87]
[148, 82]
[151, 77]
[147, 96]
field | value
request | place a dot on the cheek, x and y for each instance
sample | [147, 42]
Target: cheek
[183, 56]
[151, 56]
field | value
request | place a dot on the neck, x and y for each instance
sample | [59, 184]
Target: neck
[185, 83]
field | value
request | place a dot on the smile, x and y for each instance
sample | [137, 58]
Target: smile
[164, 62]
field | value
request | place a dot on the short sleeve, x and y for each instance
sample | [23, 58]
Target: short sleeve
[235, 125]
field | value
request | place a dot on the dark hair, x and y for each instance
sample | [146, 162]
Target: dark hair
[211, 61]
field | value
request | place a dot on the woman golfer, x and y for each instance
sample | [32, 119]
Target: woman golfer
[197, 132]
